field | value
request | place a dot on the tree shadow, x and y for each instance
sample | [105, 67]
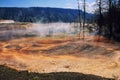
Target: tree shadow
[7, 73]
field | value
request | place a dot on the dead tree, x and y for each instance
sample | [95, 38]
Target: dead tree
[84, 17]
[110, 19]
[100, 20]
[79, 18]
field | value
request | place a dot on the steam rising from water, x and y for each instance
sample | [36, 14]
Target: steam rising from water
[7, 21]
[18, 30]
[51, 29]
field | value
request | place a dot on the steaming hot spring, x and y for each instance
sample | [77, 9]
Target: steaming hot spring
[56, 47]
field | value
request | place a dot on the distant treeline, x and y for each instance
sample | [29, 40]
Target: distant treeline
[41, 14]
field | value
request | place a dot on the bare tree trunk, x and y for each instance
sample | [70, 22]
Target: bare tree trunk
[110, 19]
[79, 18]
[100, 12]
[84, 18]
[100, 18]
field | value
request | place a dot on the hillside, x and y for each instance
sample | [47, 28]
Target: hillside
[40, 14]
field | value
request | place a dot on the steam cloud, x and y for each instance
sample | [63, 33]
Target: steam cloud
[13, 31]
[53, 29]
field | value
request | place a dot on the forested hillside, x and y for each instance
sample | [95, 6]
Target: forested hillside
[41, 14]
